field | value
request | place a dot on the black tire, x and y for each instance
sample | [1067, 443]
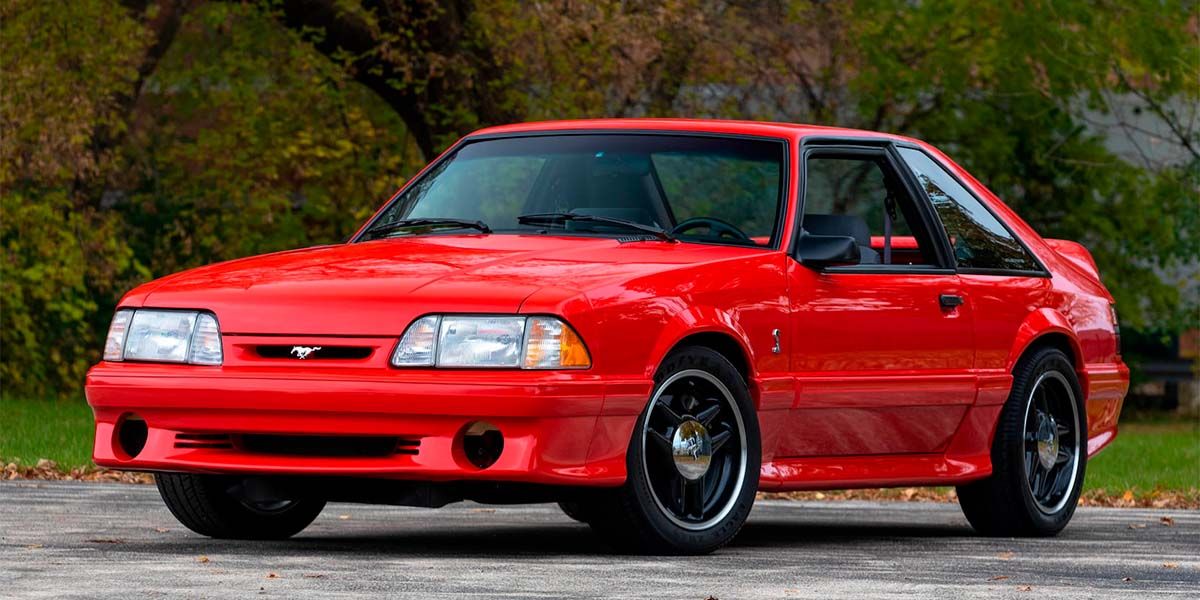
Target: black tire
[208, 505]
[1006, 503]
[634, 519]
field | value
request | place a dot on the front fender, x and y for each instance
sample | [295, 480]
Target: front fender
[699, 320]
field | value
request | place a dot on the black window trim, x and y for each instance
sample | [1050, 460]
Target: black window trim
[785, 183]
[876, 147]
[1043, 272]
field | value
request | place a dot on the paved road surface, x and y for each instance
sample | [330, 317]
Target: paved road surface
[60, 540]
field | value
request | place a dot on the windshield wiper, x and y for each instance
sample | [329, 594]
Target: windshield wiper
[379, 230]
[562, 217]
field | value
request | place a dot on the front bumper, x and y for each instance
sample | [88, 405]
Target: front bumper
[565, 428]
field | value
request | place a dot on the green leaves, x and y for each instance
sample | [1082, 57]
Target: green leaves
[270, 125]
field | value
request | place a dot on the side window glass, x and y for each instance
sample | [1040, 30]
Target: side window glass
[854, 196]
[979, 239]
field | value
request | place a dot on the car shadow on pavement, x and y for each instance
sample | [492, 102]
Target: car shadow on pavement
[795, 533]
[482, 540]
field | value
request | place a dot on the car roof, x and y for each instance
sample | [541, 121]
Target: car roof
[722, 126]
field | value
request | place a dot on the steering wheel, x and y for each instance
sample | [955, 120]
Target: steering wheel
[716, 227]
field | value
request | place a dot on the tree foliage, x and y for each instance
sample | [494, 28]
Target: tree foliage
[140, 137]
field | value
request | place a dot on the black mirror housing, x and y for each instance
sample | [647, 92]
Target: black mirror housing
[819, 251]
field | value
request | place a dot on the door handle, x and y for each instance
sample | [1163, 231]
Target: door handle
[950, 301]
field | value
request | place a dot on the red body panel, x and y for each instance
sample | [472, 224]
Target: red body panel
[875, 384]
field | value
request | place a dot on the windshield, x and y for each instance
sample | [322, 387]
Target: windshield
[690, 188]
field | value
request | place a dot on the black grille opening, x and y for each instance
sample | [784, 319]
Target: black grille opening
[313, 352]
[322, 445]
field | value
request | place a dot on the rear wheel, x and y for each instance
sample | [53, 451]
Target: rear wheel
[1039, 455]
[692, 463]
[214, 506]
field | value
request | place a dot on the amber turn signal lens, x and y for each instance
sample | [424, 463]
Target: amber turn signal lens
[552, 344]
[572, 351]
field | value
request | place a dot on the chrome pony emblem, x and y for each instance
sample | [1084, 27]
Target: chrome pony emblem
[302, 352]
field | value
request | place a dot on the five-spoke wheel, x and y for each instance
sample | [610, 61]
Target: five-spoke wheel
[692, 464]
[1052, 442]
[693, 448]
[1038, 456]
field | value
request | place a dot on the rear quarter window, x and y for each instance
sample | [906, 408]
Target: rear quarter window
[979, 239]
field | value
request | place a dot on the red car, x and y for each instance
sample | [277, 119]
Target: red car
[647, 321]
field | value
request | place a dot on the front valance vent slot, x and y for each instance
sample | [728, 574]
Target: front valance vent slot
[211, 441]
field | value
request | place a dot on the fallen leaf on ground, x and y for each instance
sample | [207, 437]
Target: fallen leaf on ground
[34, 546]
[1126, 579]
[1137, 526]
[161, 529]
[106, 541]
[1170, 565]
[272, 576]
[1127, 496]
[1024, 588]
[1006, 555]
[313, 575]
[48, 470]
[343, 517]
[1167, 521]
[201, 559]
[998, 578]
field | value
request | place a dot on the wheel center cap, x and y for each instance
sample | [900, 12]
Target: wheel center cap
[1047, 441]
[691, 447]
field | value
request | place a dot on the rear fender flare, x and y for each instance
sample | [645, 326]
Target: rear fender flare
[1037, 325]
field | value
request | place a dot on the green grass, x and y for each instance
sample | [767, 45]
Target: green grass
[1148, 456]
[1144, 457]
[60, 430]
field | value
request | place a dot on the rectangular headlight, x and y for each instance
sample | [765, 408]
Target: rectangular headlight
[480, 341]
[174, 336]
[490, 341]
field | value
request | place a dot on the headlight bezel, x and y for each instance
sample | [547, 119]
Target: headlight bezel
[204, 328]
[522, 345]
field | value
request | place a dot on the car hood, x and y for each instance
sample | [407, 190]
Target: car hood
[377, 288]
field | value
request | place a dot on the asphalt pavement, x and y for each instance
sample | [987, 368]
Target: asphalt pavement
[85, 540]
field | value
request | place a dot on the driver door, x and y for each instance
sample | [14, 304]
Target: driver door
[883, 350]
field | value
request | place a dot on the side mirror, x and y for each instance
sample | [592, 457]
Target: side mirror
[819, 251]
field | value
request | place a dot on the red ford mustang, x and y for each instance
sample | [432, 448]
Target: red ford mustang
[647, 321]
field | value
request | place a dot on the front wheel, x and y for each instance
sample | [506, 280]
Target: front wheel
[214, 506]
[1039, 455]
[692, 463]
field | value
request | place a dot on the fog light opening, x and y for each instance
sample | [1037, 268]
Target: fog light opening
[482, 444]
[131, 435]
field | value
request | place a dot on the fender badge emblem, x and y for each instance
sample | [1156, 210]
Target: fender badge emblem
[302, 352]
